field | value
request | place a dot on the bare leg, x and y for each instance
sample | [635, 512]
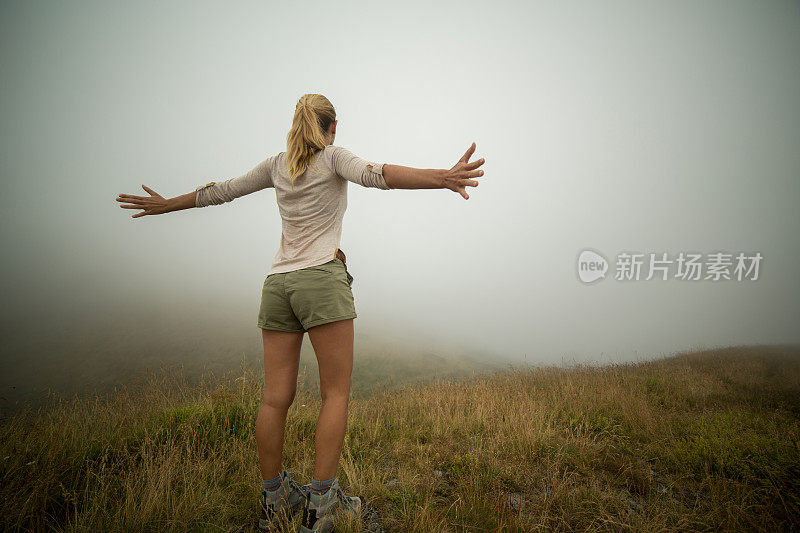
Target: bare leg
[281, 361]
[333, 346]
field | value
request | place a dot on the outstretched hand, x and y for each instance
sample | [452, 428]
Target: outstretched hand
[155, 204]
[458, 177]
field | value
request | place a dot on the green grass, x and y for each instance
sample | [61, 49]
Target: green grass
[701, 441]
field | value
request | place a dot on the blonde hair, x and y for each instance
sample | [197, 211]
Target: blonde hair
[313, 115]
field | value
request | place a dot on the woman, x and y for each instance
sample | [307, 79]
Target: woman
[308, 288]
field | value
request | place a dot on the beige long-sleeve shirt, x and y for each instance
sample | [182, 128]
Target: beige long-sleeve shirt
[313, 211]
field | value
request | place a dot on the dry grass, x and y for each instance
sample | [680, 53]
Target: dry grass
[700, 441]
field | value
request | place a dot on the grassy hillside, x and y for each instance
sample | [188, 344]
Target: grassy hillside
[699, 441]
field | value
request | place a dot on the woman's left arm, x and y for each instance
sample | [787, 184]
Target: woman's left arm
[213, 193]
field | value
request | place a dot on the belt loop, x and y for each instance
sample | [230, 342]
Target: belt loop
[339, 254]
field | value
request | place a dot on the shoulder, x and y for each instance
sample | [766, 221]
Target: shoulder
[338, 154]
[334, 155]
[275, 161]
[334, 149]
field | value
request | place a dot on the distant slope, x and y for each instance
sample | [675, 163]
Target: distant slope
[100, 354]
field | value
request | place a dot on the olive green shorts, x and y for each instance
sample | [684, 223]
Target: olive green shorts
[301, 299]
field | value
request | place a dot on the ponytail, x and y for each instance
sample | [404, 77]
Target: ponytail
[313, 115]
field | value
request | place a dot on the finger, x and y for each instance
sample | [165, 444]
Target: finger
[475, 164]
[470, 183]
[472, 174]
[468, 153]
[134, 200]
[124, 206]
[148, 189]
[139, 214]
[132, 196]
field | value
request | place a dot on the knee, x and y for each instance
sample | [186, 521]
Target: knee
[278, 399]
[335, 394]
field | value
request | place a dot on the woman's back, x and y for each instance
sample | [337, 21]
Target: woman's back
[312, 209]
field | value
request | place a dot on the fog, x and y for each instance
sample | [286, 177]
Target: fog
[615, 126]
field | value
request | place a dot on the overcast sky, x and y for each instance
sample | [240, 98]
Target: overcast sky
[616, 126]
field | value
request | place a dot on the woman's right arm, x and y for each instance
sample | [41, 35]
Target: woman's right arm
[386, 176]
[456, 179]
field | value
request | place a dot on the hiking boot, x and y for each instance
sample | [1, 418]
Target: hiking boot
[279, 506]
[320, 509]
